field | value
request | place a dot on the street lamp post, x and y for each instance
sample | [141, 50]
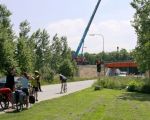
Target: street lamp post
[103, 47]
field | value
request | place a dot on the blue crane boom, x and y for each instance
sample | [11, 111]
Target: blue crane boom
[86, 30]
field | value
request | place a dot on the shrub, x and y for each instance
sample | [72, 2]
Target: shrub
[116, 82]
[111, 82]
[145, 89]
[134, 86]
[97, 87]
[66, 68]
[142, 86]
[47, 73]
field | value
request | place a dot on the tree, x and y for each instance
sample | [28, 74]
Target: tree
[141, 24]
[123, 55]
[56, 51]
[91, 58]
[42, 49]
[7, 45]
[66, 51]
[24, 52]
[66, 68]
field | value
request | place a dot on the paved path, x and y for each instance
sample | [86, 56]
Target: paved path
[53, 91]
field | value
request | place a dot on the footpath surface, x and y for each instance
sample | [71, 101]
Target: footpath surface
[53, 91]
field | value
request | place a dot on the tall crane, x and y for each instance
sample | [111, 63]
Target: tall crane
[81, 44]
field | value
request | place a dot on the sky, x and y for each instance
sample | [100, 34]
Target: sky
[111, 24]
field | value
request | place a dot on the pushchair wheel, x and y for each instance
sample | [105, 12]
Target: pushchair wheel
[4, 103]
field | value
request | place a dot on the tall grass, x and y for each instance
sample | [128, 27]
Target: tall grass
[132, 84]
[116, 82]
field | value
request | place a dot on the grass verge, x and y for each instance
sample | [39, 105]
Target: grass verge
[88, 104]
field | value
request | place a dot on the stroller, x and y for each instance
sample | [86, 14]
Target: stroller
[5, 94]
[18, 98]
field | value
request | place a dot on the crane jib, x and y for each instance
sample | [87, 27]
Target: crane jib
[86, 30]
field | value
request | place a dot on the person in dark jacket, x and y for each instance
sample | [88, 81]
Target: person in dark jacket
[98, 63]
[10, 81]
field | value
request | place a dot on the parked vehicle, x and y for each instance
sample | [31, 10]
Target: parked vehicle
[3, 81]
[123, 74]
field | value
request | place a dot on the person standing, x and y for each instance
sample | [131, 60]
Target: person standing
[24, 84]
[10, 80]
[98, 63]
[37, 78]
[34, 83]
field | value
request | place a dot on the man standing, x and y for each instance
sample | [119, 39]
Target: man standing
[98, 63]
[10, 82]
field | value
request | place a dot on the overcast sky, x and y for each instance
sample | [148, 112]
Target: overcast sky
[70, 17]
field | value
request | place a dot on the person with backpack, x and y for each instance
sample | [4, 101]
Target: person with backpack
[63, 80]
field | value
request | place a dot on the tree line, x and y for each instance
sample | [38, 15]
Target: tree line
[114, 56]
[32, 51]
[38, 51]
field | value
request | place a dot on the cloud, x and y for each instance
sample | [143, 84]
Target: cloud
[116, 33]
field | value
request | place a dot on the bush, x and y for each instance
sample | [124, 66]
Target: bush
[47, 73]
[97, 87]
[112, 82]
[115, 82]
[66, 68]
[134, 86]
[145, 89]
[142, 86]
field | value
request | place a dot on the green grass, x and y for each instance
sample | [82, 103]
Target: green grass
[116, 82]
[88, 104]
